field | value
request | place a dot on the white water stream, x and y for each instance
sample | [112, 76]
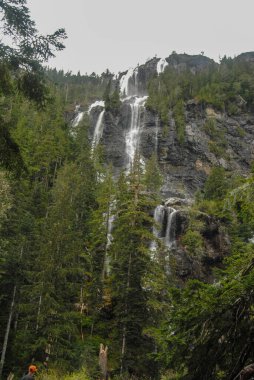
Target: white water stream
[77, 119]
[161, 65]
[171, 225]
[165, 226]
[125, 86]
[98, 130]
[132, 137]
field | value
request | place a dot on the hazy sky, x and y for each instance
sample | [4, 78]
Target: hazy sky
[117, 34]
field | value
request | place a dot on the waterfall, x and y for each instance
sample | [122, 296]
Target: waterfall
[164, 226]
[161, 65]
[132, 137]
[109, 221]
[126, 87]
[97, 103]
[159, 214]
[157, 125]
[98, 130]
[77, 119]
[124, 82]
[110, 227]
[170, 229]
[75, 122]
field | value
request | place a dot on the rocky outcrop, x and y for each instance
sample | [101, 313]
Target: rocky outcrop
[199, 263]
[211, 138]
[185, 166]
[142, 74]
[194, 63]
[246, 57]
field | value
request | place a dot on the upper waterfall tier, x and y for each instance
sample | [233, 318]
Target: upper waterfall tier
[161, 65]
[132, 137]
[129, 83]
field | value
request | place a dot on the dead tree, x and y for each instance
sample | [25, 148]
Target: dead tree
[103, 362]
[246, 373]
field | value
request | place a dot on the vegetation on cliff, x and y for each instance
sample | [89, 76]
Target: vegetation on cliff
[68, 280]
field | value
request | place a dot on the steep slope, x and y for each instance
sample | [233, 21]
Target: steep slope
[211, 136]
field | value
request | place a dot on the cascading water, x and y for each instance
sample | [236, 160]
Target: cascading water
[157, 125]
[161, 65]
[132, 137]
[159, 214]
[77, 119]
[97, 103]
[129, 93]
[110, 227]
[124, 83]
[164, 226]
[109, 218]
[98, 130]
[129, 83]
[171, 226]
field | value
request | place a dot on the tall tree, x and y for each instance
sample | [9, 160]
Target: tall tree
[131, 260]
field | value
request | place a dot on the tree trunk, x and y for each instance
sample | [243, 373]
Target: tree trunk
[103, 362]
[38, 313]
[126, 312]
[6, 337]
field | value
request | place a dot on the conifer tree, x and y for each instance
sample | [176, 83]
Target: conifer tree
[131, 260]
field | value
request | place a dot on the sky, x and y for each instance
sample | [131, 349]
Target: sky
[119, 34]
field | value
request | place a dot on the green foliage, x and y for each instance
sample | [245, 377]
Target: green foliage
[193, 242]
[179, 117]
[27, 49]
[217, 144]
[210, 127]
[227, 87]
[78, 89]
[216, 185]
[130, 263]
[152, 177]
[5, 195]
[209, 335]
[209, 329]
[76, 289]
[21, 71]
[112, 99]
[55, 375]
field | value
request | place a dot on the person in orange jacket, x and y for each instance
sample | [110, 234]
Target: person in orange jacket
[31, 372]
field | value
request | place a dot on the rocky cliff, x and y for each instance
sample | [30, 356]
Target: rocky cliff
[211, 138]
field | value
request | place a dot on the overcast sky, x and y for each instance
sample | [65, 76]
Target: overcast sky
[118, 34]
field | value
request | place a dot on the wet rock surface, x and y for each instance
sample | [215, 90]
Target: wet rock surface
[211, 138]
[186, 166]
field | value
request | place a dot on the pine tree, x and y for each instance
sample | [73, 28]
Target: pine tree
[57, 318]
[130, 257]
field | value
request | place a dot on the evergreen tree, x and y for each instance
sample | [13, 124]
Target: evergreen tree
[130, 257]
[152, 177]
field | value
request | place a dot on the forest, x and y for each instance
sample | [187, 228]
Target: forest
[65, 286]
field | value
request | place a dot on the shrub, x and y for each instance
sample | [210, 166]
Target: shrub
[57, 374]
[193, 242]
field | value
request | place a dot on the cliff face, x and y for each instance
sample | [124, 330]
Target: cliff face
[227, 142]
[199, 262]
[210, 137]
